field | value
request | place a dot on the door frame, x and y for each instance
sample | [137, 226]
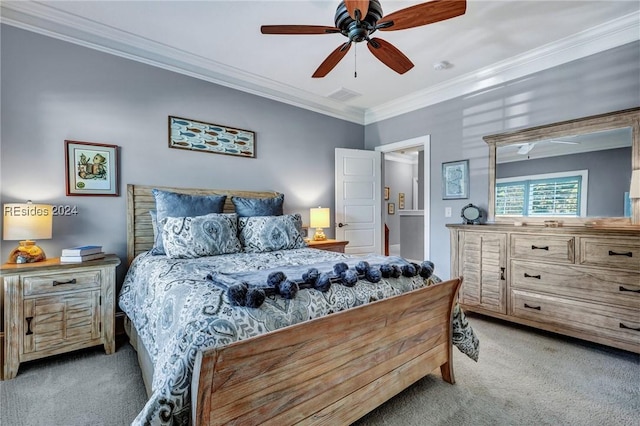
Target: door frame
[425, 143]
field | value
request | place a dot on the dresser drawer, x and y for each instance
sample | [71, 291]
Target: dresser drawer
[558, 249]
[578, 282]
[60, 282]
[588, 319]
[620, 252]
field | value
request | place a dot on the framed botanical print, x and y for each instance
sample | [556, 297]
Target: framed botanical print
[91, 168]
[455, 180]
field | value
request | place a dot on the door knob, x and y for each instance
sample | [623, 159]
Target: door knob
[340, 224]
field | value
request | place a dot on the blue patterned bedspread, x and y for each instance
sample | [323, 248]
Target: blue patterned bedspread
[177, 311]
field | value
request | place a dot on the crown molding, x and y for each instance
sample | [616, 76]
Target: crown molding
[597, 39]
[45, 20]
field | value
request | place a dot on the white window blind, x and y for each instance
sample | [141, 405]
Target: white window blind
[557, 194]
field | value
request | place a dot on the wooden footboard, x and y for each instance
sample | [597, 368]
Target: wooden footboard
[330, 370]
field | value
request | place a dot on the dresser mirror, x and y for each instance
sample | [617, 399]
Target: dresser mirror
[575, 172]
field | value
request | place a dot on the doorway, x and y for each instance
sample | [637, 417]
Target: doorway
[411, 212]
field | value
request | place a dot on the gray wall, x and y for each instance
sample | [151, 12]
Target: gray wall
[576, 89]
[399, 178]
[52, 91]
[412, 236]
[609, 176]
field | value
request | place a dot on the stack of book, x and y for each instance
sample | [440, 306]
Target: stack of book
[81, 254]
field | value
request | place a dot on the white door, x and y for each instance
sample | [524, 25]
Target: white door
[359, 200]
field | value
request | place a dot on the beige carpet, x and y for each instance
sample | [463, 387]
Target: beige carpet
[523, 377]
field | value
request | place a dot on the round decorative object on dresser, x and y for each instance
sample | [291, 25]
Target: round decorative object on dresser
[470, 215]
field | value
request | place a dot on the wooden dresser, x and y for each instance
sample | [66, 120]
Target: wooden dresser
[578, 281]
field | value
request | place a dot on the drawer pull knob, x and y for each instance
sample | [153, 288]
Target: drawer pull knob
[29, 319]
[71, 281]
[537, 308]
[540, 248]
[537, 277]
[629, 328]
[613, 253]
[626, 289]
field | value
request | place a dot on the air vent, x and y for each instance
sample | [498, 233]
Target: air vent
[343, 94]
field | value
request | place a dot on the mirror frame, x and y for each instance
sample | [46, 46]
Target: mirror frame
[595, 123]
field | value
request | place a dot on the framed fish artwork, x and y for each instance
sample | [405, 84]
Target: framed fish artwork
[185, 133]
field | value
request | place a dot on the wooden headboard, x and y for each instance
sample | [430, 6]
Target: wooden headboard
[140, 201]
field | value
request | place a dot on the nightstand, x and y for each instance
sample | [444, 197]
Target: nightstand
[52, 308]
[328, 245]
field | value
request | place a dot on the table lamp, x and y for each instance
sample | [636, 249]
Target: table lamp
[319, 218]
[27, 222]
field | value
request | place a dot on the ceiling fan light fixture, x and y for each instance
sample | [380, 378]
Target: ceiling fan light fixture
[442, 65]
[526, 148]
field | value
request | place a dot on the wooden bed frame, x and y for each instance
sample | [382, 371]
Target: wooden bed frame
[330, 370]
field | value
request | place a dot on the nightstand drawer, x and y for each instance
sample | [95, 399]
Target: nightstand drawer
[543, 247]
[57, 283]
[621, 253]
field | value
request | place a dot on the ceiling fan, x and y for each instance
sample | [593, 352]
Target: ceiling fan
[357, 20]
[526, 147]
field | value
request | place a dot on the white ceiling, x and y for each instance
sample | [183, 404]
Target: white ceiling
[220, 41]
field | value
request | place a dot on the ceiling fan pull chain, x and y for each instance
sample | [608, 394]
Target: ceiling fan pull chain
[355, 61]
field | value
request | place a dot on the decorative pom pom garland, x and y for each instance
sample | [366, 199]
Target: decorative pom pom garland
[242, 294]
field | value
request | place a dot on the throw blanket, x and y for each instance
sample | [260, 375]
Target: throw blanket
[178, 309]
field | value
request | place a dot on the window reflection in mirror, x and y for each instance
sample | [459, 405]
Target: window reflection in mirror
[568, 176]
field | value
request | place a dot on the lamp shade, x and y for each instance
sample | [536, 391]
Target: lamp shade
[319, 217]
[27, 221]
[634, 189]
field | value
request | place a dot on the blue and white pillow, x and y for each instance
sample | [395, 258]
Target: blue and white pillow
[272, 206]
[174, 204]
[269, 233]
[208, 235]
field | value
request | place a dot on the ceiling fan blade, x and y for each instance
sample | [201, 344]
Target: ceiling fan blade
[332, 60]
[423, 14]
[352, 6]
[297, 29]
[389, 55]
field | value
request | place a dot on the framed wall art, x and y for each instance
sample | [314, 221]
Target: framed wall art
[401, 201]
[391, 208]
[455, 180]
[91, 168]
[194, 135]
[386, 192]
